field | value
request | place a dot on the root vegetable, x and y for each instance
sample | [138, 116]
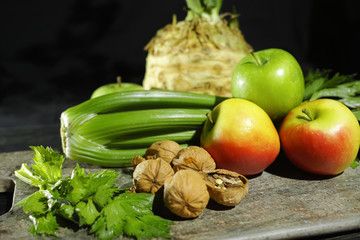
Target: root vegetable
[197, 54]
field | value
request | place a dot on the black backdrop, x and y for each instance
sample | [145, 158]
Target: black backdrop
[55, 53]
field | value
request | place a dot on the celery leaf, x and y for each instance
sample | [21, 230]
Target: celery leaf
[28, 176]
[78, 183]
[147, 226]
[48, 164]
[130, 214]
[87, 212]
[320, 83]
[46, 171]
[66, 211]
[89, 200]
[44, 225]
[37, 203]
[81, 186]
[355, 163]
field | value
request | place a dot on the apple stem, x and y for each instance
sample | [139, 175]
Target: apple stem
[306, 112]
[118, 80]
[208, 115]
[256, 59]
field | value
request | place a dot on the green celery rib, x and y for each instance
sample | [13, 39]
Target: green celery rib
[138, 141]
[104, 128]
[101, 131]
[95, 140]
[135, 100]
[87, 151]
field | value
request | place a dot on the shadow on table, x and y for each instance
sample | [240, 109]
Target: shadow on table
[284, 168]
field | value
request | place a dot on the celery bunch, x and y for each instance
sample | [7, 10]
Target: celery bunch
[111, 129]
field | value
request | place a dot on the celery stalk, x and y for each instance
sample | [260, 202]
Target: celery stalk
[111, 129]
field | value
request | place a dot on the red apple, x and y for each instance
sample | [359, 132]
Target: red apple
[240, 136]
[321, 136]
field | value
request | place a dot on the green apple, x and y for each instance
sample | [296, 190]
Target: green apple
[321, 136]
[115, 87]
[240, 137]
[272, 79]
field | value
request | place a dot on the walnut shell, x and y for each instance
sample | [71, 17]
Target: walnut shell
[195, 158]
[226, 187]
[186, 194]
[136, 160]
[165, 149]
[149, 176]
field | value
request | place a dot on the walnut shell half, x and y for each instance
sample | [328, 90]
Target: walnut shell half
[149, 176]
[186, 194]
[165, 149]
[226, 187]
[195, 158]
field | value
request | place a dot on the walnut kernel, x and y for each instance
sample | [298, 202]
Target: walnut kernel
[226, 187]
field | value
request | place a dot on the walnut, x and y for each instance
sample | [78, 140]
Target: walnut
[193, 157]
[165, 149]
[149, 176]
[136, 160]
[226, 187]
[186, 194]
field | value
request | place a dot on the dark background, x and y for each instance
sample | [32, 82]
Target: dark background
[53, 54]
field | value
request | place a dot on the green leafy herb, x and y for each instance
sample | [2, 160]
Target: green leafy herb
[355, 163]
[130, 214]
[89, 200]
[45, 224]
[344, 88]
[40, 205]
[46, 171]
